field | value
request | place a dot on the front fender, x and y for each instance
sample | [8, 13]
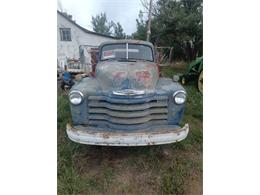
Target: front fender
[175, 111]
[88, 86]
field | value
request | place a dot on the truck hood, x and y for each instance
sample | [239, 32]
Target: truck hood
[118, 76]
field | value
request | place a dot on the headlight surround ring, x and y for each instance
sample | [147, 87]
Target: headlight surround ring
[76, 97]
[179, 97]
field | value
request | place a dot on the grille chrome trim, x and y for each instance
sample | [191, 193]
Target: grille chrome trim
[127, 113]
[128, 121]
[127, 107]
[129, 92]
[127, 100]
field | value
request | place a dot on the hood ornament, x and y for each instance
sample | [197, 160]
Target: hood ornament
[129, 92]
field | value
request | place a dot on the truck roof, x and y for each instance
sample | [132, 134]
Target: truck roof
[127, 41]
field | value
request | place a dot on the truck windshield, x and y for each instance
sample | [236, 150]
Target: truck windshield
[126, 51]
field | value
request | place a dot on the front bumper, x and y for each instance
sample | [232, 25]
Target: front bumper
[164, 134]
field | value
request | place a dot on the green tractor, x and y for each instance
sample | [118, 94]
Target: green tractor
[194, 72]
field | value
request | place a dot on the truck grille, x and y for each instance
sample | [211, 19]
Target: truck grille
[118, 113]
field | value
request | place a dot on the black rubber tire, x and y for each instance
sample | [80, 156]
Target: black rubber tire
[200, 82]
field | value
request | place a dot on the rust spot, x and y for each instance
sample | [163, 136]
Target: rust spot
[119, 75]
[142, 75]
[105, 135]
[151, 65]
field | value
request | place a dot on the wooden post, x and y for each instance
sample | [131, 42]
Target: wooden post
[149, 21]
[170, 55]
[93, 62]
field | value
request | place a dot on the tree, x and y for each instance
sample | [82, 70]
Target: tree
[141, 26]
[118, 31]
[101, 25]
[181, 24]
[175, 23]
[129, 37]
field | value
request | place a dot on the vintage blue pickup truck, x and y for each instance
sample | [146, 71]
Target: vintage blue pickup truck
[126, 102]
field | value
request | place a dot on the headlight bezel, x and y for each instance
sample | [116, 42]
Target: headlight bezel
[179, 92]
[73, 92]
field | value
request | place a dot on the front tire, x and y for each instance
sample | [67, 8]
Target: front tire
[200, 82]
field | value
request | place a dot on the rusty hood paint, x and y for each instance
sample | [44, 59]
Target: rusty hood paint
[139, 75]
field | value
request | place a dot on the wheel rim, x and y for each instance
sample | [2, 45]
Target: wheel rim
[200, 82]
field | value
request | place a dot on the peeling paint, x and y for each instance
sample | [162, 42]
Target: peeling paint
[127, 104]
[163, 135]
[113, 75]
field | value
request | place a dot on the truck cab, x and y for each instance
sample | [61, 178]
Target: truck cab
[126, 102]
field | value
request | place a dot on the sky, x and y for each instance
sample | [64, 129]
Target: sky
[123, 11]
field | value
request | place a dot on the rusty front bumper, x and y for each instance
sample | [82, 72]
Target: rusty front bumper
[165, 135]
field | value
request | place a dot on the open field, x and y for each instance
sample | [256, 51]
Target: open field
[167, 169]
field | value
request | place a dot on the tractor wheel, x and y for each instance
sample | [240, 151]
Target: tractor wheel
[200, 82]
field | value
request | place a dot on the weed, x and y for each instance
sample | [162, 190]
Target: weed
[168, 71]
[106, 176]
[63, 115]
[176, 178]
[69, 181]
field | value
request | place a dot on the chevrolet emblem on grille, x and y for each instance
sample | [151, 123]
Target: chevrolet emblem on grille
[129, 92]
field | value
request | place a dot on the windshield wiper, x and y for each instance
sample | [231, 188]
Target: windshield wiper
[144, 60]
[108, 59]
[125, 60]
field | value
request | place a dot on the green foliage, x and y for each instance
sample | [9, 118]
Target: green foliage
[173, 180]
[168, 71]
[69, 179]
[176, 23]
[63, 111]
[141, 26]
[101, 25]
[118, 31]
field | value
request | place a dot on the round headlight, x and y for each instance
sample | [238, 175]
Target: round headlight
[179, 97]
[76, 97]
